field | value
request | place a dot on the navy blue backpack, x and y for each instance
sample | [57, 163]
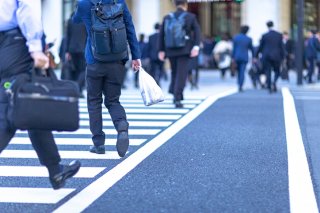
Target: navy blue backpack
[108, 33]
[175, 35]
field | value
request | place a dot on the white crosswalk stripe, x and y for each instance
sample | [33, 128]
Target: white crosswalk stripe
[145, 124]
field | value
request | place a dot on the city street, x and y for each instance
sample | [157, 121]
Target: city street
[223, 152]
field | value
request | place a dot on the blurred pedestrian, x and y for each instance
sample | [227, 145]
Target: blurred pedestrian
[222, 54]
[208, 45]
[106, 66]
[21, 49]
[311, 52]
[242, 44]
[179, 41]
[272, 50]
[145, 59]
[156, 69]
[75, 45]
[288, 63]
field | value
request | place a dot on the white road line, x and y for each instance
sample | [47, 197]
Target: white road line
[301, 192]
[107, 131]
[145, 111]
[40, 171]
[163, 106]
[139, 101]
[310, 98]
[81, 201]
[32, 195]
[110, 155]
[139, 116]
[77, 141]
[133, 123]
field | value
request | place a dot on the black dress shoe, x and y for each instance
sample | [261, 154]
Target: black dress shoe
[122, 143]
[274, 88]
[98, 149]
[178, 104]
[68, 171]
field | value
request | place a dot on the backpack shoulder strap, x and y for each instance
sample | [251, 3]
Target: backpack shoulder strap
[184, 14]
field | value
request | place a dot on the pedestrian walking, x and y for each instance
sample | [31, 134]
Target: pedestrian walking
[272, 50]
[156, 65]
[180, 37]
[75, 45]
[21, 49]
[311, 53]
[106, 55]
[242, 44]
[288, 63]
[222, 54]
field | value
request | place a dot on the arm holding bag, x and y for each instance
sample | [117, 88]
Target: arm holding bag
[150, 91]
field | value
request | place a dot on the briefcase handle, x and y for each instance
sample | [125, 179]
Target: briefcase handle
[40, 75]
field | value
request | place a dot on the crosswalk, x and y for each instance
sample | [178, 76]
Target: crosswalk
[19, 160]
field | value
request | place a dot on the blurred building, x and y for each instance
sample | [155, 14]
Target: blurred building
[215, 17]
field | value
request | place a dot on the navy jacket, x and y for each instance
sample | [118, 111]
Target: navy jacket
[83, 14]
[271, 46]
[242, 44]
[313, 46]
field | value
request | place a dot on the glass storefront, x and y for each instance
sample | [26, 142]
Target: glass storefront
[220, 18]
[311, 18]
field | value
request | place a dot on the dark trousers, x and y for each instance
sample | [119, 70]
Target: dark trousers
[179, 75]
[241, 67]
[156, 70]
[104, 79]
[268, 66]
[311, 66]
[79, 73]
[14, 59]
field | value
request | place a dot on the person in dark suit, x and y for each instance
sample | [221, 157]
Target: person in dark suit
[156, 68]
[75, 46]
[311, 52]
[242, 44]
[21, 49]
[272, 50]
[180, 57]
[105, 78]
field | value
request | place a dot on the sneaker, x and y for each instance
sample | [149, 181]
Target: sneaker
[122, 143]
[68, 171]
[98, 149]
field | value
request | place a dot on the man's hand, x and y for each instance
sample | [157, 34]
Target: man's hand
[194, 52]
[161, 55]
[40, 60]
[136, 64]
[68, 56]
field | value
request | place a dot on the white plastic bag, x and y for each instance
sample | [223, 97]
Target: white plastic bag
[150, 91]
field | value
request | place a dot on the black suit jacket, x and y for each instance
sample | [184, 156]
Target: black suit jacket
[76, 38]
[193, 31]
[271, 46]
[153, 46]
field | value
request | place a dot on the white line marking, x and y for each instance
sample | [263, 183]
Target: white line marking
[145, 111]
[139, 101]
[81, 201]
[40, 171]
[107, 131]
[110, 155]
[301, 192]
[77, 141]
[32, 195]
[132, 123]
[163, 106]
[140, 116]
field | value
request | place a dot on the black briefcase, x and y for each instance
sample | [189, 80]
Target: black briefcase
[42, 102]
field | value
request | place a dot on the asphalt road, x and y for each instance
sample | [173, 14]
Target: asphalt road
[229, 156]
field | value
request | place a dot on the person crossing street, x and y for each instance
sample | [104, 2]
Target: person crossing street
[21, 49]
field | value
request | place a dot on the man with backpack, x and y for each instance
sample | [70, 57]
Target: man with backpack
[179, 41]
[109, 27]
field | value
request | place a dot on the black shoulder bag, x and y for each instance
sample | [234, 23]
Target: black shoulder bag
[42, 102]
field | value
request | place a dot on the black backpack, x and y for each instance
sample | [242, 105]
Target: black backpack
[174, 31]
[108, 32]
